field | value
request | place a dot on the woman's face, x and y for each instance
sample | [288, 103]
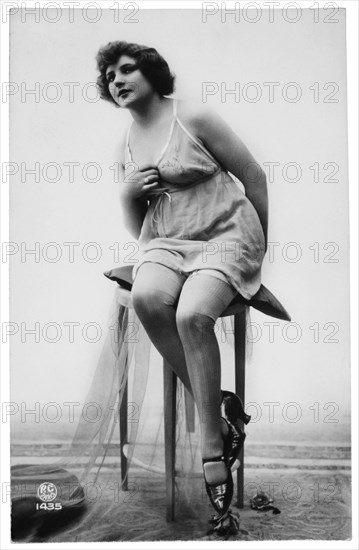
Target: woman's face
[126, 83]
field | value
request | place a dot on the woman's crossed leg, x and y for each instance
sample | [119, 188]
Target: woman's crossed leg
[179, 314]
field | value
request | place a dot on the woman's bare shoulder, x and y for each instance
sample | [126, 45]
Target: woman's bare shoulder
[195, 114]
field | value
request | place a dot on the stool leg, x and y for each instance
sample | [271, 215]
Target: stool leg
[123, 413]
[169, 391]
[240, 365]
[123, 437]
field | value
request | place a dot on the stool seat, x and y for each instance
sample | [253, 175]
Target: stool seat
[263, 300]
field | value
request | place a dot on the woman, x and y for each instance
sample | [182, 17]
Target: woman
[201, 239]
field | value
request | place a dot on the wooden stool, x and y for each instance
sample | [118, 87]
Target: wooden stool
[263, 301]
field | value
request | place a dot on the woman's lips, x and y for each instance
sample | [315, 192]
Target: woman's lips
[123, 93]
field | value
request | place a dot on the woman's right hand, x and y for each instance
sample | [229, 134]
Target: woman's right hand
[140, 183]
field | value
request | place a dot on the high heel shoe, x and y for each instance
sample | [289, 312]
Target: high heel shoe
[220, 495]
[234, 412]
[233, 408]
[238, 437]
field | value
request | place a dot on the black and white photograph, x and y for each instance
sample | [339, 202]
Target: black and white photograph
[178, 270]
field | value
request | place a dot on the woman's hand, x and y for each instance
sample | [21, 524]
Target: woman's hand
[134, 189]
[140, 183]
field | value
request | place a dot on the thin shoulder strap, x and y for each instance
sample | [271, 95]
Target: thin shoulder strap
[191, 136]
[175, 108]
[128, 134]
[128, 150]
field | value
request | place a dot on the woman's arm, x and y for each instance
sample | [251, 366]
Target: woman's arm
[133, 212]
[231, 152]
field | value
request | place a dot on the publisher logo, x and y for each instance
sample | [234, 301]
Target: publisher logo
[47, 492]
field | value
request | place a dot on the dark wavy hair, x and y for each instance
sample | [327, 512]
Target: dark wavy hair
[151, 64]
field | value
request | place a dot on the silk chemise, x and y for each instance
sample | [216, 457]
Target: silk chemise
[199, 218]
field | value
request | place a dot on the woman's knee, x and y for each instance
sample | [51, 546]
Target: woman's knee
[150, 302]
[190, 321]
[144, 298]
[155, 288]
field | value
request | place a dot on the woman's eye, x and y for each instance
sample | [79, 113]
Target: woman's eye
[129, 68]
[124, 70]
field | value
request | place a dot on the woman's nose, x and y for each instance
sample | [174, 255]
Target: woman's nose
[118, 80]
